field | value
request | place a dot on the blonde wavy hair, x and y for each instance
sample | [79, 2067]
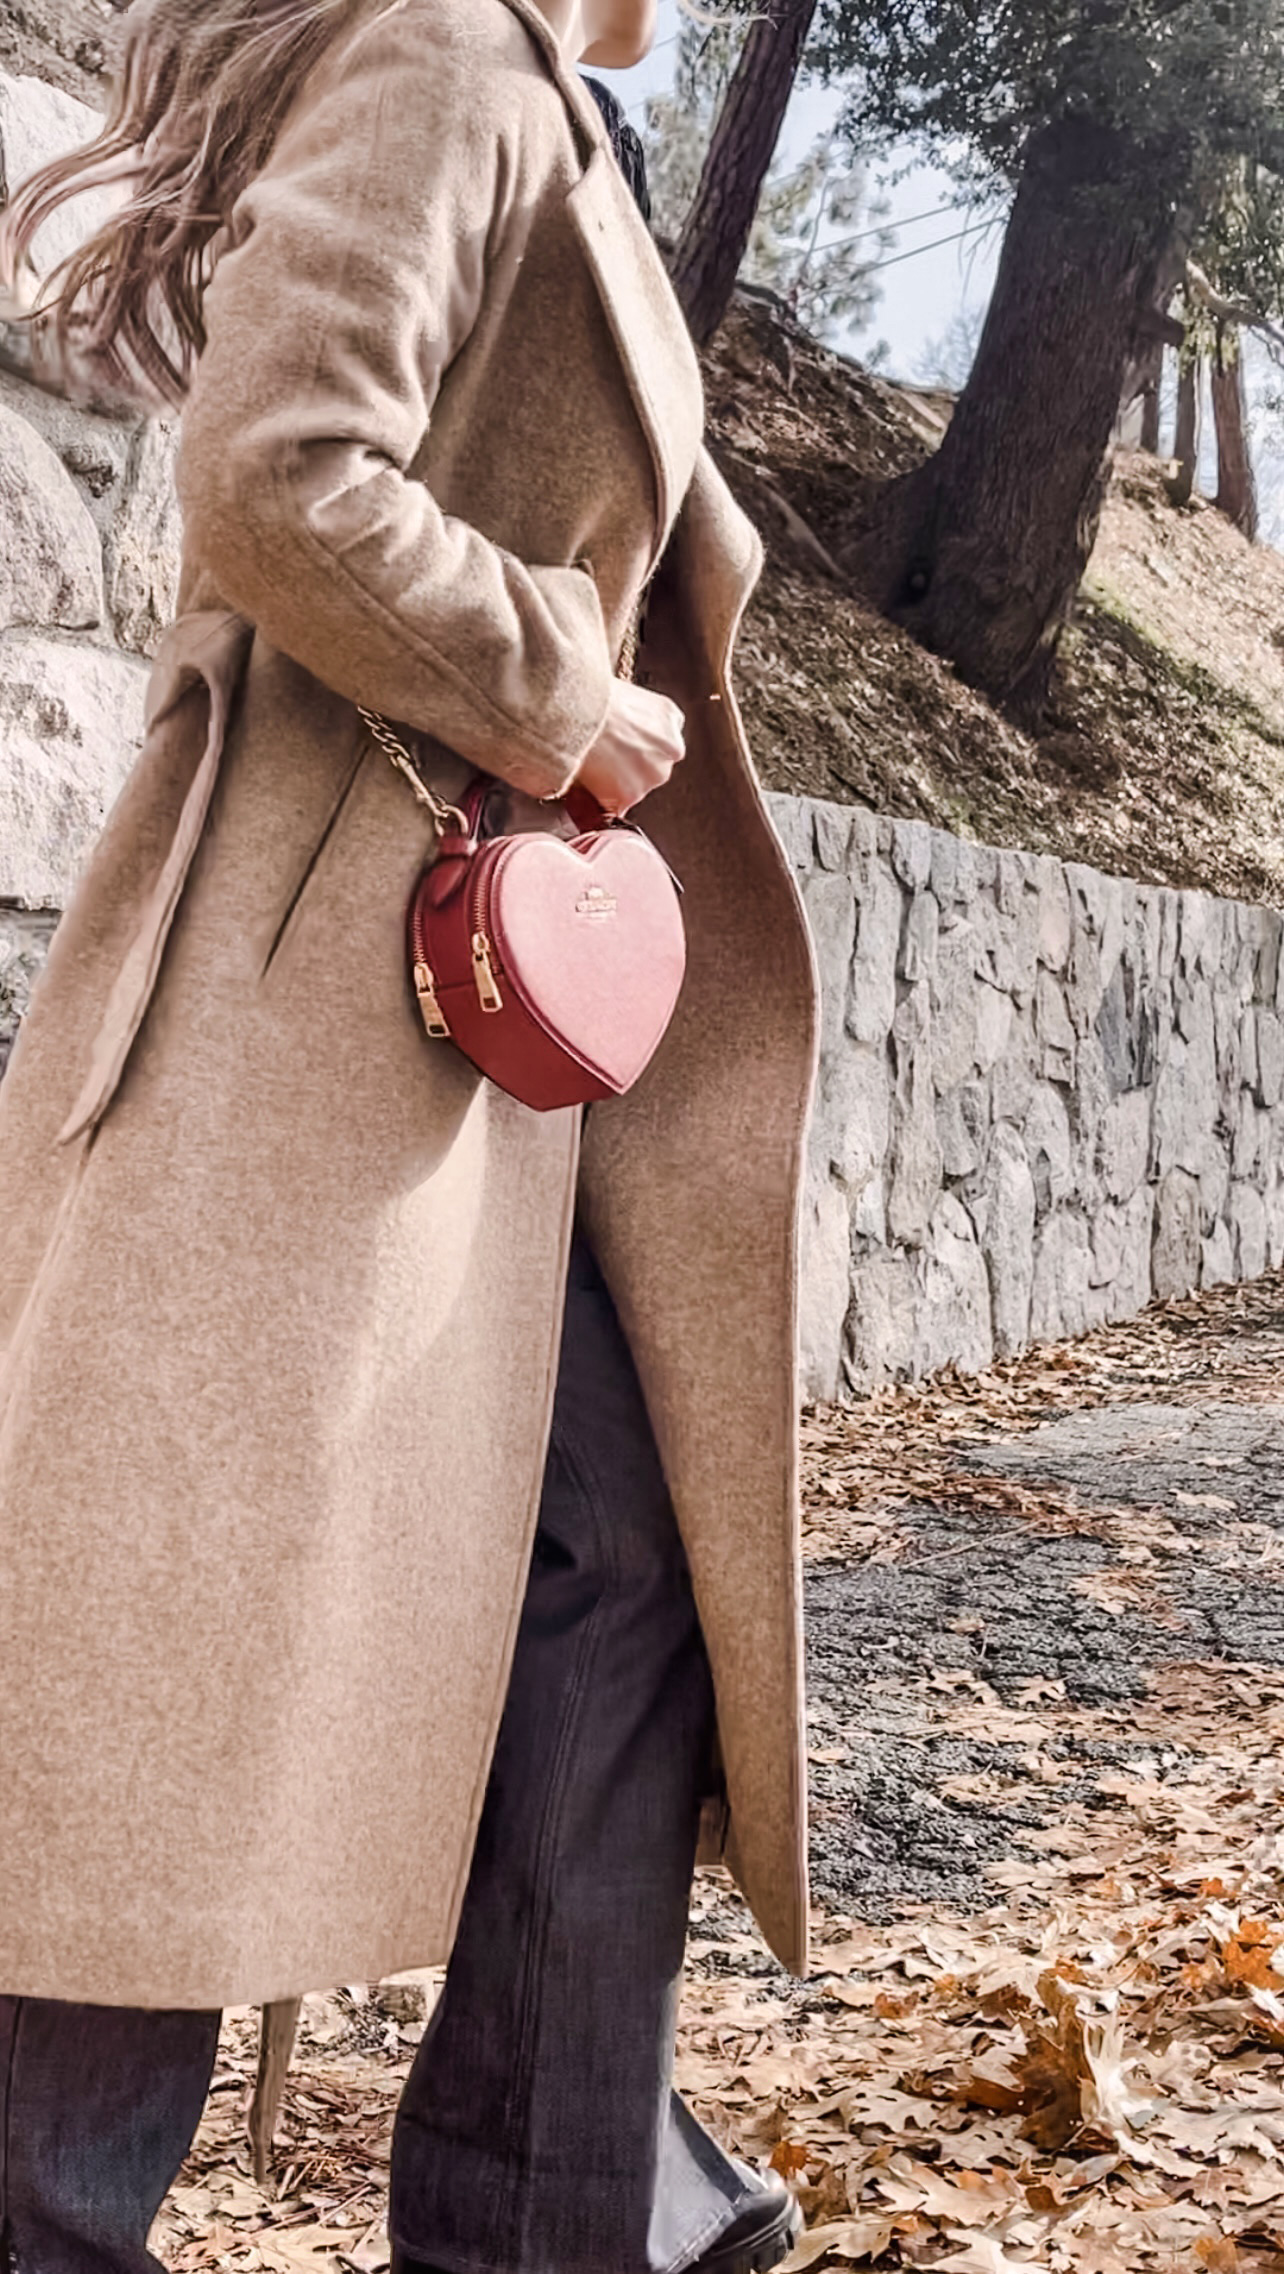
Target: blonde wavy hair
[203, 88]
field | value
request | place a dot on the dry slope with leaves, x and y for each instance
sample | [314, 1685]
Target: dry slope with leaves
[1161, 755]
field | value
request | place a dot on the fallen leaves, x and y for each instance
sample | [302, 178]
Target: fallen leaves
[1252, 1953]
[901, 1445]
[1084, 2078]
[325, 2211]
[1108, 2054]
[845, 2242]
[1071, 2082]
[1086, 2075]
[1110, 2152]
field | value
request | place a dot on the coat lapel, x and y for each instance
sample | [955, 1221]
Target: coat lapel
[647, 326]
[646, 322]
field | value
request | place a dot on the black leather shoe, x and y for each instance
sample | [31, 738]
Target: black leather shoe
[759, 2239]
[764, 2233]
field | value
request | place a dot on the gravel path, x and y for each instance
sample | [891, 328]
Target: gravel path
[1143, 1535]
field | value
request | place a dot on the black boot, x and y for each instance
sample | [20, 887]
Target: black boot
[759, 2239]
[764, 2233]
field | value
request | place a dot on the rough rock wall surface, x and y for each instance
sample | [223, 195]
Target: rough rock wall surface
[88, 570]
[75, 44]
[1047, 1097]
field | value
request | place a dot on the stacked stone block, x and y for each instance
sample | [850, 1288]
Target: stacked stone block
[1047, 1097]
[89, 547]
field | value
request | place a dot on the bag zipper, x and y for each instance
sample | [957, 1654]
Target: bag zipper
[482, 949]
[483, 935]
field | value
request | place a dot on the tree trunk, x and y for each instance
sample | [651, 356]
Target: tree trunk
[1140, 392]
[1151, 388]
[1190, 416]
[715, 235]
[981, 551]
[1236, 486]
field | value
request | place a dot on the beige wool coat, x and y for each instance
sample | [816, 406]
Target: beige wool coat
[280, 1281]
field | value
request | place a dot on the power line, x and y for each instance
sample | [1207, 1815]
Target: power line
[862, 236]
[875, 268]
[976, 229]
[782, 181]
[884, 228]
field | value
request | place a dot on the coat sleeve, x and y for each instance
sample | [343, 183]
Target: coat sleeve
[354, 271]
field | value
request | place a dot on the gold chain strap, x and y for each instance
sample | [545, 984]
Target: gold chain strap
[395, 750]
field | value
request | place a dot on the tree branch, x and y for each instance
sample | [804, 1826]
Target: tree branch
[1225, 311]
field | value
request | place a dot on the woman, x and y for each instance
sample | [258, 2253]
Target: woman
[321, 1435]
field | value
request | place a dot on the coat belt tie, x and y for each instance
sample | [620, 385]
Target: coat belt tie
[209, 648]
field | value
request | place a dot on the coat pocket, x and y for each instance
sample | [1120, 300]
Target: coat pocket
[316, 858]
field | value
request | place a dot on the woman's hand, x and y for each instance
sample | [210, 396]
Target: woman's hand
[643, 739]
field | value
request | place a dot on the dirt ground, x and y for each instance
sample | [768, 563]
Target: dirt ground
[1084, 1521]
[1046, 1616]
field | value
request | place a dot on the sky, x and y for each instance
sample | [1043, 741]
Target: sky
[922, 293]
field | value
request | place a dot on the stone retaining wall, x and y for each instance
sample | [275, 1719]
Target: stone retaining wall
[88, 574]
[1047, 1097]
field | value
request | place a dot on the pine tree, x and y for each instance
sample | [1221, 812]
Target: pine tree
[1114, 124]
[717, 229]
[947, 360]
[817, 233]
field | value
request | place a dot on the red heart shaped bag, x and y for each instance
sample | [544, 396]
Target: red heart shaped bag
[554, 964]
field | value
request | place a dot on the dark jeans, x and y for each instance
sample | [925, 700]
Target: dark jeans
[538, 2133]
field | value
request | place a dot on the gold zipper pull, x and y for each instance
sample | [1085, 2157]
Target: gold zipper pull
[426, 990]
[488, 994]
